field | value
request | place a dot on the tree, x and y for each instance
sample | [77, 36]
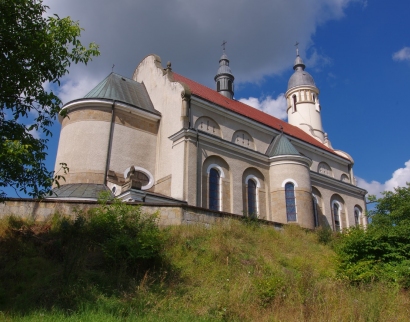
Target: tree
[35, 50]
[382, 250]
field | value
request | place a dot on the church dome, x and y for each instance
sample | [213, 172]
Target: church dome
[300, 76]
[223, 66]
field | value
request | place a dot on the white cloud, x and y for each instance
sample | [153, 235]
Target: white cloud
[317, 61]
[260, 33]
[76, 87]
[402, 55]
[398, 179]
[35, 133]
[272, 106]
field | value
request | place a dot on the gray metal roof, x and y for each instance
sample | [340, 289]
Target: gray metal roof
[119, 88]
[80, 191]
[300, 76]
[224, 67]
[281, 146]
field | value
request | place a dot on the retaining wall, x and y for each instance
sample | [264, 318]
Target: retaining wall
[176, 214]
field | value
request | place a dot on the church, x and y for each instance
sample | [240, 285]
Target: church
[163, 138]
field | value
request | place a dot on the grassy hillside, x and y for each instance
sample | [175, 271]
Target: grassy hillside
[236, 272]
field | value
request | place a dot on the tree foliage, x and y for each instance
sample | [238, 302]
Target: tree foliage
[382, 250]
[35, 50]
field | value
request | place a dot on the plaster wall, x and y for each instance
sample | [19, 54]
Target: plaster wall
[280, 172]
[228, 126]
[346, 200]
[235, 166]
[338, 168]
[306, 111]
[83, 146]
[166, 97]
[132, 146]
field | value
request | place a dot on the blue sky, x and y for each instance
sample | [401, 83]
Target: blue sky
[358, 52]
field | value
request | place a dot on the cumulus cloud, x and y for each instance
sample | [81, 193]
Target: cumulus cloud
[76, 87]
[260, 33]
[402, 55]
[398, 179]
[273, 106]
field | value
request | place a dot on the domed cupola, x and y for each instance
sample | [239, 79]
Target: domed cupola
[224, 78]
[300, 77]
[303, 107]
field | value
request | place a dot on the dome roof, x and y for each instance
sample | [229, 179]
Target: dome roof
[300, 76]
[224, 66]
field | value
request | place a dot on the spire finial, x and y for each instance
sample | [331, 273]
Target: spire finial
[223, 45]
[112, 68]
[297, 48]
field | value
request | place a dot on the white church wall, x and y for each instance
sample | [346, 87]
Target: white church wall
[83, 147]
[132, 147]
[229, 124]
[166, 98]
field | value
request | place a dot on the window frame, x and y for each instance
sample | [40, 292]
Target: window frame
[359, 216]
[221, 175]
[339, 206]
[257, 187]
[288, 214]
[315, 210]
[146, 172]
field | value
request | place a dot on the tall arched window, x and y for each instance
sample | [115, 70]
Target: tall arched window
[218, 86]
[336, 216]
[252, 203]
[315, 213]
[290, 201]
[294, 103]
[214, 190]
[356, 216]
[229, 85]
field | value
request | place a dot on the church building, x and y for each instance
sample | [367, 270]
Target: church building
[163, 138]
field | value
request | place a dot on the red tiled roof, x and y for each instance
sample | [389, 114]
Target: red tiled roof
[214, 97]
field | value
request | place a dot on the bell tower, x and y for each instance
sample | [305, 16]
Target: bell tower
[224, 78]
[303, 105]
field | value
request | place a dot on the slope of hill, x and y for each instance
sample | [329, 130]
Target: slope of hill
[239, 271]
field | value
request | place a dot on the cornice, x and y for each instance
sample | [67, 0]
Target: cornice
[84, 103]
[293, 159]
[204, 138]
[335, 184]
[297, 88]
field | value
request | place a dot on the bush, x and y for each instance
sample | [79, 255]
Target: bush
[125, 234]
[382, 250]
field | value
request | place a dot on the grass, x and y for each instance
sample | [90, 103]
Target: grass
[233, 272]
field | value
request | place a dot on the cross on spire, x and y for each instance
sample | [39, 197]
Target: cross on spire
[297, 48]
[223, 45]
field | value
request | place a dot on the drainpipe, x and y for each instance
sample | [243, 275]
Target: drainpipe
[107, 163]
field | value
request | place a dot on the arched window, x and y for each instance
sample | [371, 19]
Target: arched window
[252, 198]
[336, 216]
[290, 201]
[356, 216]
[315, 212]
[218, 86]
[294, 103]
[214, 190]
[229, 85]
[314, 98]
[324, 168]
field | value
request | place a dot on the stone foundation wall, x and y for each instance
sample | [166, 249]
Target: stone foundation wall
[169, 215]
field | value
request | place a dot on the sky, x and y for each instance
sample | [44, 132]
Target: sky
[358, 52]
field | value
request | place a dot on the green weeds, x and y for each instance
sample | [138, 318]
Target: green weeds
[115, 264]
